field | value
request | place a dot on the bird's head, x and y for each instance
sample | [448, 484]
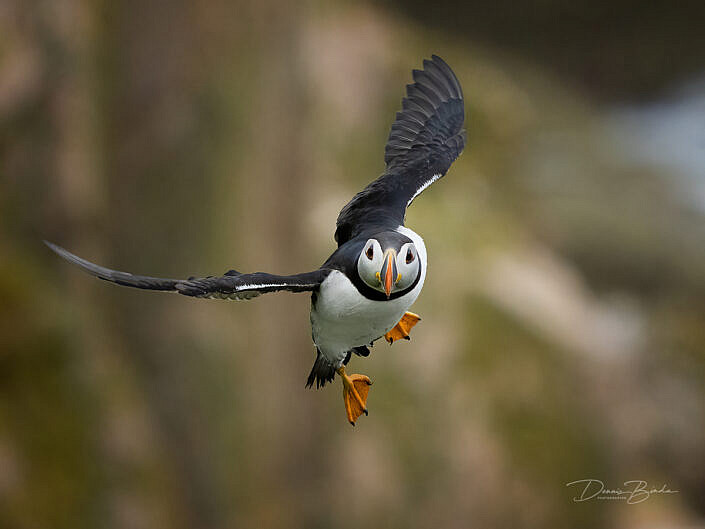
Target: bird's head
[388, 263]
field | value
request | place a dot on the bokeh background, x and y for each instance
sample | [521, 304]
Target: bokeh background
[563, 332]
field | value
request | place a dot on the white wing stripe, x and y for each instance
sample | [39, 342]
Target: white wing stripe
[246, 292]
[424, 186]
[268, 285]
[262, 285]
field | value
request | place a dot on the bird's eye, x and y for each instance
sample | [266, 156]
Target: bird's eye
[370, 253]
[409, 256]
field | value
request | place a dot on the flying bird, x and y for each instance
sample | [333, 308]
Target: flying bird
[363, 291]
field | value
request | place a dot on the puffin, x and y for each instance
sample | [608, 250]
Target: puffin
[363, 291]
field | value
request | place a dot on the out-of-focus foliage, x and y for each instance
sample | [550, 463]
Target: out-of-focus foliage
[621, 50]
[563, 332]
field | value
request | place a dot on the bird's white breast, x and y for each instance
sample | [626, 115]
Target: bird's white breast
[343, 318]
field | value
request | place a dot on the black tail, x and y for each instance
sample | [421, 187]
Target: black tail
[321, 372]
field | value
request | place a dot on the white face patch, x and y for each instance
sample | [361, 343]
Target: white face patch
[369, 263]
[423, 187]
[407, 265]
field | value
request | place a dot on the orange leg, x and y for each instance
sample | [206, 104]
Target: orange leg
[355, 389]
[401, 329]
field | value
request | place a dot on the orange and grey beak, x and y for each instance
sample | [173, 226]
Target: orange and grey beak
[389, 275]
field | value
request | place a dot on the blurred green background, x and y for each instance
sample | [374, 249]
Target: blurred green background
[563, 332]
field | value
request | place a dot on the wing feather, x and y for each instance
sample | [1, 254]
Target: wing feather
[425, 139]
[231, 285]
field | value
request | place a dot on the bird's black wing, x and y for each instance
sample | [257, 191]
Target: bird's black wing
[425, 139]
[231, 285]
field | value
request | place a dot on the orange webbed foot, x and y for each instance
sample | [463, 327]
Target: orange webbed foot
[401, 329]
[355, 390]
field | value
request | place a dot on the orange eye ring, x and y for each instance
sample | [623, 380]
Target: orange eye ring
[409, 256]
[370, 253]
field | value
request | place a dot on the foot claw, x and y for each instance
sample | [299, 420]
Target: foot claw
[401, 329]
[355, 390]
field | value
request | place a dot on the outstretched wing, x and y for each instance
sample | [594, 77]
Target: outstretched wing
[425, 139]
[232, 285]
